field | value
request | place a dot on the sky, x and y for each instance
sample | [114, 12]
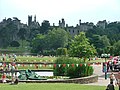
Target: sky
[54, 10]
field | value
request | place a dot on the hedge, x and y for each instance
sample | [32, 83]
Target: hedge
[66, 66]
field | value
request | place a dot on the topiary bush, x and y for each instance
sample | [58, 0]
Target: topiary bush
[73, 68]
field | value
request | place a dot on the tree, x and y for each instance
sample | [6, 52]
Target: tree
[106, 43]
[7, 33]
[14, 44]
[116, 48]
[100, 42]
[96, 41]
[4, 40]
[57, 38]
[105, 40]
[38, 43]
[22, 34]
[80, 47]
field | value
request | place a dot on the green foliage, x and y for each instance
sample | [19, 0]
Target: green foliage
[57, 38]
[14, 44]
[100, 42]
[62, 51]
[22, 33]
[54, 39]
[66, 66]
[103, 38]
[49, 52]
[116, 48]
[7, 32]
[0, 75]
[38, 44]
[80, 47]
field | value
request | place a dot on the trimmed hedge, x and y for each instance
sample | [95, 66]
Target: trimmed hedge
[65, 66]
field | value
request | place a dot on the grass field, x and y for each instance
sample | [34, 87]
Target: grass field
[50, 86]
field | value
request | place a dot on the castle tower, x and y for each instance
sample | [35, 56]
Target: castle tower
[35, 18]
[59, 23]
[29, 20]
[63, 23]
[80, 22]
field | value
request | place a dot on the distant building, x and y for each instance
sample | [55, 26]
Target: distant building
[29, 20]
[33, 24]
[101, 24]
[77, 29]
[62, 23]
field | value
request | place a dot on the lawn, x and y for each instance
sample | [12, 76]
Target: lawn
[48, 86]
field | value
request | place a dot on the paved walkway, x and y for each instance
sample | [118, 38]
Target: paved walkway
[101, 82]
[101, 76]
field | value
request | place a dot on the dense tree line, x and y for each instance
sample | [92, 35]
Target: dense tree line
[105, 39]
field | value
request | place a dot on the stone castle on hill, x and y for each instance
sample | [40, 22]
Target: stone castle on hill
[71, 29]
[10, 28]
[33, 24]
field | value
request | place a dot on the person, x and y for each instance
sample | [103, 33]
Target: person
[110, 86]
[16, 80]
[118, 79]
[4, 78]
[12, 82]
[112, 78]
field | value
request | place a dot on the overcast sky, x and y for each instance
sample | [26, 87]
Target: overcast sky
[54, 10]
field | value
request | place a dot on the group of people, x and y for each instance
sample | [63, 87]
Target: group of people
[9, 68]
[10, 56]
[14, 80]
[114, 80]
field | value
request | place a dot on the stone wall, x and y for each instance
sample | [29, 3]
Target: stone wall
[83, 80]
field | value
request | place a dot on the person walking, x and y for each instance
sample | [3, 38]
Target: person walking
[110, 86]
[112, 78]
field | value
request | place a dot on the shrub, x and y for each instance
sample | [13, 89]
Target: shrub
[49, 52]
[14, 44]
[65, 66]
[62, 51]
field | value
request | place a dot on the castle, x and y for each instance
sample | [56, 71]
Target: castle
[71, 29]
[9, 28]
[33, 24]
